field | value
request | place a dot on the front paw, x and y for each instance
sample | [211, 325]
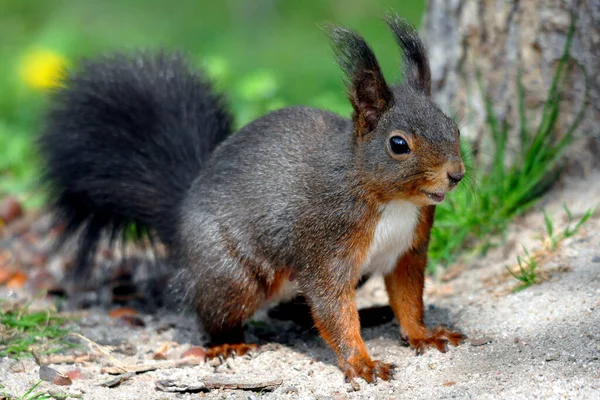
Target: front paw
[367, 369]
[439, 338]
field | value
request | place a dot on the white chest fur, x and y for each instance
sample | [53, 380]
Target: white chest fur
[393, 236]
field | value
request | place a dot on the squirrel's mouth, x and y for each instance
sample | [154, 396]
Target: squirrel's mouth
[436, 197]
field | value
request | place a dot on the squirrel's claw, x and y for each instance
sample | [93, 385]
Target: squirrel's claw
[439, 338]
[228, 350]
[368, 370]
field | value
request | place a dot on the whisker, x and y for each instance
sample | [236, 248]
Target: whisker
[462, 118]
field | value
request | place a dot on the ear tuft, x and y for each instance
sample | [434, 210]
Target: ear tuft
[367, 90]
[416, 64]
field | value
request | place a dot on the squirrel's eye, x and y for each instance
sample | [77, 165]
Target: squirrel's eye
[398, 145]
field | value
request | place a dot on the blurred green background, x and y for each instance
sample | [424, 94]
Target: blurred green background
[263, 54]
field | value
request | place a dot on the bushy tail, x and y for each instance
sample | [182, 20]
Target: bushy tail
[123, 139]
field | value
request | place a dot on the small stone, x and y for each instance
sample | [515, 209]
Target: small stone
[596, 259]
[481, 341]
[127, 348]
[290, 390]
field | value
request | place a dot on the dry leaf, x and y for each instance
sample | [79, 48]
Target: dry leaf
[161, 354]
[6, 273]
[17, 281]
[196, 351]
[120, 312]
[51, 375]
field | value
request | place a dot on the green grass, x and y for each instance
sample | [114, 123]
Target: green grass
[485, 204]
[31, 394]
[22, 329]
[528, 273]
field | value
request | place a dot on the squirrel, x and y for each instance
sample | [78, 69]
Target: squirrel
[300, 199]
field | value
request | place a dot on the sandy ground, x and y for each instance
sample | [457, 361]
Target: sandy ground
[542, 342]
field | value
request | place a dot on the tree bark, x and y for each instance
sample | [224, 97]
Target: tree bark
[498, 38]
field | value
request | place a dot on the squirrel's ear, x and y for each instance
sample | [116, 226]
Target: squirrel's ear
[416, 64]
[369, 94]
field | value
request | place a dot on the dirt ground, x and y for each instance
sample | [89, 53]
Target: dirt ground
[542, 342]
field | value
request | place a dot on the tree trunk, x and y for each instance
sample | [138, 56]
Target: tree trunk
[497, 39]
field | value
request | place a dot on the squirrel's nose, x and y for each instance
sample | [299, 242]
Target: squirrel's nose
[455, 177]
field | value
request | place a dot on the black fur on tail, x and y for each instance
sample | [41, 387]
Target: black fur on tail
[122, 141]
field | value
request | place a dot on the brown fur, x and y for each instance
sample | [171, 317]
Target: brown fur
[342, 334]
[405, 289]
[370, 97]
[275, 285]
[358, 241]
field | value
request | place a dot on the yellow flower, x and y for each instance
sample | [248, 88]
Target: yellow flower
[42, 69]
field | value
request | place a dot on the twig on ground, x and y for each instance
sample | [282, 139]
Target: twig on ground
[212, 383]
[223, 382]
[63, 359]
[139, 368]
[96, 348]
[175, 387]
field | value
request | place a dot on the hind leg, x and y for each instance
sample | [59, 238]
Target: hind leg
[225, 285]
[223, 315]
[223, 304]
[227, 292]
